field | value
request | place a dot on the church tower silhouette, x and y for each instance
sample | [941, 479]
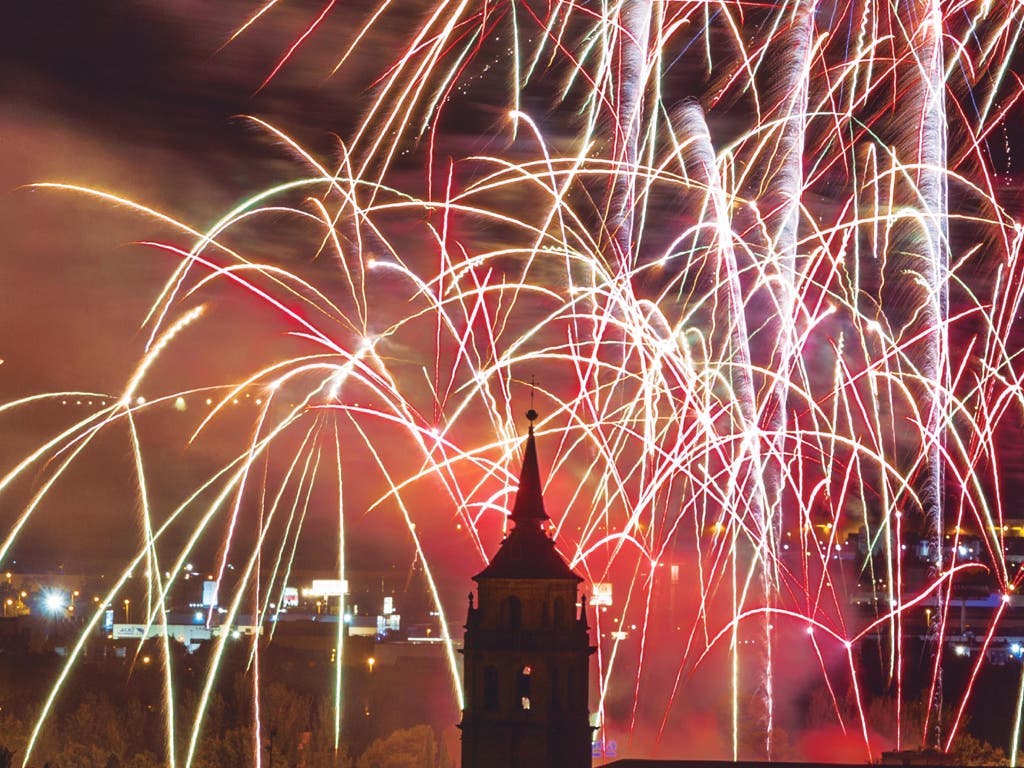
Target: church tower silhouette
[526, 652]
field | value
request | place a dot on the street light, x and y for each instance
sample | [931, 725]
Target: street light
[127, 611]
[53, 602]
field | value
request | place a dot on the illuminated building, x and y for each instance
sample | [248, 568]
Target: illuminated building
[527, 651]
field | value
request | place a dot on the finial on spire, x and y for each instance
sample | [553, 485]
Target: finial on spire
[531, 414]
[528, 504]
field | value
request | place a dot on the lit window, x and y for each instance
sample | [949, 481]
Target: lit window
[523, 689]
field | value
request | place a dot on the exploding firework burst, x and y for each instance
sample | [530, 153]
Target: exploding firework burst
[768, 289]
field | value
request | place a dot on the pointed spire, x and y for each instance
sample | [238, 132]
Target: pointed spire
[528, 552]
[529, 503]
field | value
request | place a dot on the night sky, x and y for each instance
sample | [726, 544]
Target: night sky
[133, 98]
[146, 99]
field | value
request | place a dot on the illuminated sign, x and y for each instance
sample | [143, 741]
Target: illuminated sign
[328, 588]
[122, 631]
[601, 594]
[290, 598]
[189, 634]
[604, 748]
[389, 605]
[209, 593]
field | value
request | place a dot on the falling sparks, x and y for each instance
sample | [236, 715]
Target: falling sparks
[740, 311]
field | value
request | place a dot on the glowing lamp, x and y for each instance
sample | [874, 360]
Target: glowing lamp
[53, 602]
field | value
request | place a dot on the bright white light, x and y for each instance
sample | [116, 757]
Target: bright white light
[53, 602]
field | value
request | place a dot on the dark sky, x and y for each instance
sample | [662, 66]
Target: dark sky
[146, 100]
[133, 98]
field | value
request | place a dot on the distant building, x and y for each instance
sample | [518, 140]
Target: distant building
[526, 652]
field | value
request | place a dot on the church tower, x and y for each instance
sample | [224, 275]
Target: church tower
[526, 652]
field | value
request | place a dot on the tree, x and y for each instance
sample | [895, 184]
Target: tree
[965, 749]
[414, 747]
[95, 723]
[317, 745]
[81, 756]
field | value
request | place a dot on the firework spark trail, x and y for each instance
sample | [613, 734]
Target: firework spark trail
[930, 260]
[296, 45]
[1015, 734]
[154, 575]
[749, 489]
[683, 412]
[630, 81]
[783, 186]
[783, 190]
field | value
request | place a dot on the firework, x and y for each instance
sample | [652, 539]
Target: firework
[739, 308]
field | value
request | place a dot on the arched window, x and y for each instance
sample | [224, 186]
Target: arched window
[511, 613]
[491, 700]
[523, 687]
